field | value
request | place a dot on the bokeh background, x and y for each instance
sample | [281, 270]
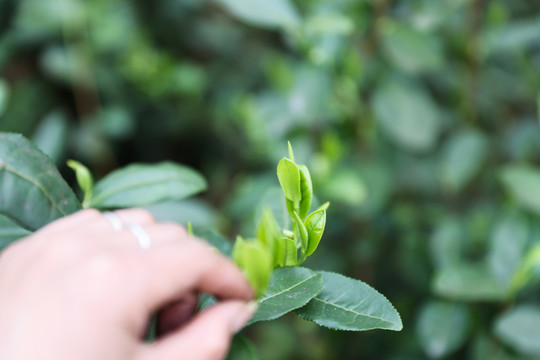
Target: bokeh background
[418, 120]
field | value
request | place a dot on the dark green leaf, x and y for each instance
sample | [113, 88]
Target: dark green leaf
[141, 184]
[289, 178]
[315, 224]
[32, 192]
[349, 304]
[10, 231]
[289, 289]
[442, 328]
[4, 92]
[242, 349]
[520, 328]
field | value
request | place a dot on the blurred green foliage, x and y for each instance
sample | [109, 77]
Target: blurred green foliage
[419, 120]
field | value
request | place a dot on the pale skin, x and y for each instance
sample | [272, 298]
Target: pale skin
[79, 290]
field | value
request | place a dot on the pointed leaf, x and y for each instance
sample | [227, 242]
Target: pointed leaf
[285, 252]
[10, 232]
[349, 304]
[289, 289]
[291, 153]
[289, 178]
[29, 177]
[306, 189]
[142, 184]
[315, 224]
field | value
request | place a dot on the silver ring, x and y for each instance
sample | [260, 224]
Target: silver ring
[114, 219]
[145, 241]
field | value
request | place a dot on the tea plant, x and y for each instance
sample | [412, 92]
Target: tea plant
[33, 193]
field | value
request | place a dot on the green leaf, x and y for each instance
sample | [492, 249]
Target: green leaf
[141, 184]
[407, 114]
[442, 328]
[463, 155]
[315, 224]
[271, 14]
[289, 178]
[242, 349]
[268, 233]
[51, 135]
[526, 268]
[30, 177]
[301, 234]
[409, 49]
[290, 288]
[348, 304]
[469, 282]
[4, 94]
[286, 252]
[306, 189]
[84, 179]
[507, 246]
[10, 231]
[520, 329]
[524, 183]
[291, 153]
[255, 261]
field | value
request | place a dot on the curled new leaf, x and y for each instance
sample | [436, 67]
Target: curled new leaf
[84, 179]
[315, 224]
[285, 252]
[289, 178]
[306, 189]
[255, 261]
[301, 233]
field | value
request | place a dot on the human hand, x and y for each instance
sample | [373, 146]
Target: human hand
[78, 289]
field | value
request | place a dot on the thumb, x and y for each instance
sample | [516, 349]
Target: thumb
[206, 337]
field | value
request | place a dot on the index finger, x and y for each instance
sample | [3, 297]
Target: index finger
[173, 268]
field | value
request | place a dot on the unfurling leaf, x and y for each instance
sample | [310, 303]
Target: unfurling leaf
[289, 178]
[84, 179]
[285, 252]
[306, 190]
[315, 224]
[255, 261]
[301, 233]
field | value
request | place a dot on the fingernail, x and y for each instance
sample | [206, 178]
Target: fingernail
[245, 315]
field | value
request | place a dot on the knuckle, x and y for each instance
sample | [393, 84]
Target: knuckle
[173, 230]
[142, 215]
